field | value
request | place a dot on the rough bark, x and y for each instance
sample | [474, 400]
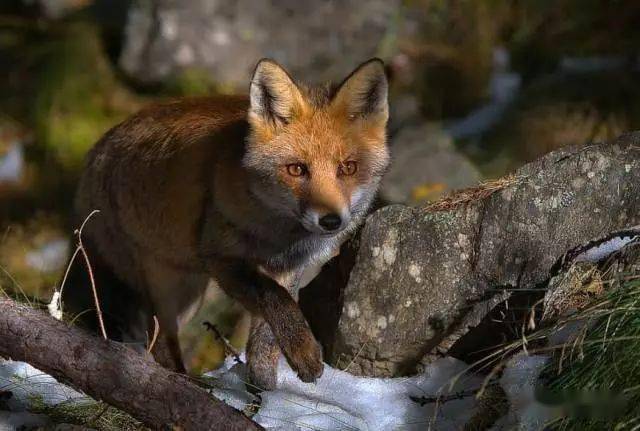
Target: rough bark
[423, 276]
[113, 373]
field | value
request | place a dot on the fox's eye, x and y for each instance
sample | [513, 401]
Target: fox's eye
[348, 168]
[296, 169]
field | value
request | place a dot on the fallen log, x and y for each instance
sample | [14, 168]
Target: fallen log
[112, 372]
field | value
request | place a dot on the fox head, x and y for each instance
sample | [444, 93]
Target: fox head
[317, 154]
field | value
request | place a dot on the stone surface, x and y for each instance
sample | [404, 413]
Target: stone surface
[317, 40]
[425, 165]
[421, 276]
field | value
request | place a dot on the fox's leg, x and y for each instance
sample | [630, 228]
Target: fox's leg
[262, 356]
[265, 298]
[166, 350]
[171, 292]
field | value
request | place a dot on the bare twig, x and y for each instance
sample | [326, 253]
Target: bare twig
[80, 249]
[445, 398]
[228, 348]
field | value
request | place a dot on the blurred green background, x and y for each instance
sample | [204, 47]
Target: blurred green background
[477, 89]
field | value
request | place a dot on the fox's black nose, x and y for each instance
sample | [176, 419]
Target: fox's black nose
[330, 222]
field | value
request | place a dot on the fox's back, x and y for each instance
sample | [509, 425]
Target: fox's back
[148, 177]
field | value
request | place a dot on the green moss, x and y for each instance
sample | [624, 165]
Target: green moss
[78, 97]
[195, 82]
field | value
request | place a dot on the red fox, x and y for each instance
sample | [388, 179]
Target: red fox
[244, 192]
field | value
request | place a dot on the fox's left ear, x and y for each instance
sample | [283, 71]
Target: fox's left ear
[364, 93]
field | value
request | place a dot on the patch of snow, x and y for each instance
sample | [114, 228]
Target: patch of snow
[519, 381]
[12, 164]
[28, 384]
[604, 249]
[52, 256]
[11, 421]
[340, 400]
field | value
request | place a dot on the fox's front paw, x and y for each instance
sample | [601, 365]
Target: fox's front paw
[304, 355]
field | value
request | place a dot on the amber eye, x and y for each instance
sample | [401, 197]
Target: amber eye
[348, 168]
[296, 169]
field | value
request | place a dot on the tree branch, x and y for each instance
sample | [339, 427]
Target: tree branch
[112, 372]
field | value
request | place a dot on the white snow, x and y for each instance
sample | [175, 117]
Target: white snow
[12, 164]
[340, 400]
[519, 380]
[52, 256]
[11, 421]
[28, 384]
[603, 250]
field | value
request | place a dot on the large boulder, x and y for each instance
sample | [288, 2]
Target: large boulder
[422, 276]
[317, 40]
[425, 165]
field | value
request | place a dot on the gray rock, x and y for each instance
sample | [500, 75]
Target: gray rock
[425, 165]
[317, 40]
[422, 276]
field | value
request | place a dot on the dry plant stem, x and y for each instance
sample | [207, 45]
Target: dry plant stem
[80, 249]
[479, 192]
[95, 292]
[156, 332]
[93, 281]
[112, 372]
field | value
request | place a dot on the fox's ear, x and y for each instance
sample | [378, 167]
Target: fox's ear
[275, 99]
[364, 93]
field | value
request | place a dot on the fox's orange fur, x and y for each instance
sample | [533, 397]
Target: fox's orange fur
[236, 191]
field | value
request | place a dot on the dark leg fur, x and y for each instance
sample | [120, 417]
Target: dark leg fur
[265, 298]
[166, 352]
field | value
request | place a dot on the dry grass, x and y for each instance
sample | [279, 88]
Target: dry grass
[472, 194]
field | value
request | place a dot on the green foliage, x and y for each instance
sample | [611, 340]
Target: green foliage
[599, 382]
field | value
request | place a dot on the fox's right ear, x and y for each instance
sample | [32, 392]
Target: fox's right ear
[275, 99]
